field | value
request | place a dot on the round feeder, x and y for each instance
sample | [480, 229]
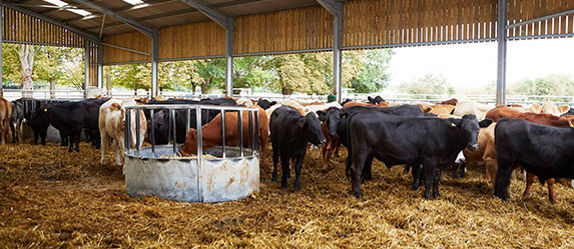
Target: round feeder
[213, 179]
[216, 174]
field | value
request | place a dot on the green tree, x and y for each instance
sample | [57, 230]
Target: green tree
[554, 84]
[373, 75]
[428, 84]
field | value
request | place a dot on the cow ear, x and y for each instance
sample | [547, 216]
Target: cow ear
[273, 103]
[301, 122]
[563, 109]
[536, 108]
[428, 110]
[485, 123]
[344, 114]
[322, 115]
[370, 99]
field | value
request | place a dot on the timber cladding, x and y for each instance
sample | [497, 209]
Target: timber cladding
[132, 40]
[295, 29]
[191, 40]
[21, 28]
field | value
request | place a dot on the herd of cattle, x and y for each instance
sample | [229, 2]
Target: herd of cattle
[425, 138]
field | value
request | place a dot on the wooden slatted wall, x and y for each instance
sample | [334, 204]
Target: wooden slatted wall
[295, 29]
[133, 40]
[191, 40]
[93, 63]
[21, 28]
[522, 10]
[404, 22]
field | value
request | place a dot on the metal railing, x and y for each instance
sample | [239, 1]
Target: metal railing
[13, 94]
[253, 124]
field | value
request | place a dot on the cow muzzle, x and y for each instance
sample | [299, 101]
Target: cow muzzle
[473, 147]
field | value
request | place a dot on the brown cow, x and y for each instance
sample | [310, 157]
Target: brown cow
[452, 101]
[354, 103]
[5, 115]
[539, 118]
[211, 133]
[441, 110]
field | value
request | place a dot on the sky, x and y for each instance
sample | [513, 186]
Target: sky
[468, 66]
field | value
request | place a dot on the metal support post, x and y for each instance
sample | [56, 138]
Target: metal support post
[229, 60]
[501, 67]
[87, 69]
[154, 91]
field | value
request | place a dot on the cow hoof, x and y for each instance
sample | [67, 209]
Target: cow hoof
[297, 188]
[77, 149]
[415, 187]
[70, 150]
[358, 195]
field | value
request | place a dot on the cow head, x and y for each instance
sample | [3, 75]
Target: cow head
[470, 128]
[376, 100]
[311, 129]
[265, 104]
[331, 117]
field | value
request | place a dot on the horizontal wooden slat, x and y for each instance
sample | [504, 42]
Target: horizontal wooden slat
[133, 40]
[191, 40]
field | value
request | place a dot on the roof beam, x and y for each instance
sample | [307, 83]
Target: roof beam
[213, 14]
[333, 6]
[123, 10]
[78, 31]
[181, 12]
[146, 30]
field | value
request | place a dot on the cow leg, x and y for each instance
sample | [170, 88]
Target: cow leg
[348, 163]
[70, 142]
[103, 146]
[367, 175]
[551, 191]
[490, 171]
[324, 154]
[416, 175]
[530, 179]
[77, 141]
[298, 165]
[14, 135]
[337, 145]
[462, 167]
[436, 181]
[275, 161]
[407, 168]
[429, 166]
[36, 135]
[503, 174]
[359, 159]
[284, 170]
[43, 135]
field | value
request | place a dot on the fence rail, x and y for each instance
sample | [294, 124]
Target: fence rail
[12, 94]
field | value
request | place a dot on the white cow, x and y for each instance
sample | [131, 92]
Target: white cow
[315, 108]
[112, 126]
[471, 107]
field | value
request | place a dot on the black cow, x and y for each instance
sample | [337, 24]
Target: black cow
[265, 104]
[543, 150]
[162, 130]
[342, 128]
[408, 140]
[16, 119]
[569, 112]
[375, 101]
[346, 101]
[290, 132]
[69, 118]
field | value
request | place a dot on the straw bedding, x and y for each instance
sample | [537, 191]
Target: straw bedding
[52, 198]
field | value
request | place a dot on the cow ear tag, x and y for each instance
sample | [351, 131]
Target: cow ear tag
[571, 123]
[45, 109]
[453, 124]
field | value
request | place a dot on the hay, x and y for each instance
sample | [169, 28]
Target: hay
[52, 198]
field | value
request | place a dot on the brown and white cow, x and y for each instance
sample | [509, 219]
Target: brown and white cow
[5, 115]
[471, 107]
[112, 125]
[354, 103]
[540, 118]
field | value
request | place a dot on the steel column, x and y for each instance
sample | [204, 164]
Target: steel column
[154, 91]
[336, 9]
[501, 37]
[100, 66]
[87, 68]
[229, 61]
[337, 54]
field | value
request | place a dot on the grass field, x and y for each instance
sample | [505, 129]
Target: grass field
[52, 198]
